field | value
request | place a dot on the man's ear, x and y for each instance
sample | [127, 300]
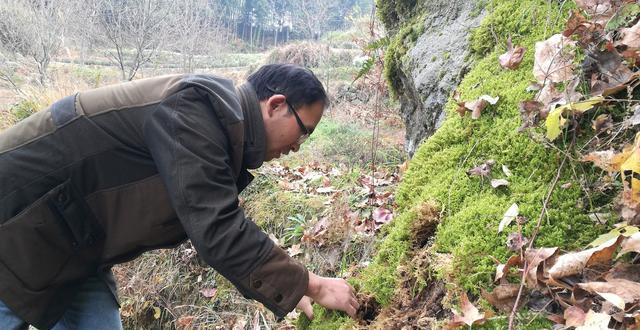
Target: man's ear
[274, 102]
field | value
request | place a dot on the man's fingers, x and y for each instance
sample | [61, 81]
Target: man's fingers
[355, 303]
[308, 311]
[351, 311]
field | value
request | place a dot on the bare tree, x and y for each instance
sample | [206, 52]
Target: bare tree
[135, 29]
[312, 16]
[33, 28]
[198, 29]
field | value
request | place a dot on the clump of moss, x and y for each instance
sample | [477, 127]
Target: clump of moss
[393, 13]
[397, 49]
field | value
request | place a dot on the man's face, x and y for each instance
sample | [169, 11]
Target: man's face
[282, 130]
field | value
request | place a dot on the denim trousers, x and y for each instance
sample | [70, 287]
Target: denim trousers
[93, 308]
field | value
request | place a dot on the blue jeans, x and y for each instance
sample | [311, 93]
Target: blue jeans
[94, 308]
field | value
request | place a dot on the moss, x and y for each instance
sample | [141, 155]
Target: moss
[516, 19]
[393, 13]
[398, 47]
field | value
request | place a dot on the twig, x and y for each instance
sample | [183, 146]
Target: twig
[535, 233]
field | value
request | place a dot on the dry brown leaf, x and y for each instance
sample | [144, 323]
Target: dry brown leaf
[599, 10]
[574, 316]
[553, 61]
[533, 258]
[586, 30]
[595, 321]
[630, 36]
[496, 183]
[503, 269]
[608, 71]
[624, 271]
[602, 159]
[575, 262]
[513, 57]
[515, 241]
[482, 170]
[470, 315]
[627, 290]
[503, 297]
[602, 123]
[631, 244]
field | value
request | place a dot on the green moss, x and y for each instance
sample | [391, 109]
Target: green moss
[516, 19]
[325, 320]
[398, 47]
[393, 13]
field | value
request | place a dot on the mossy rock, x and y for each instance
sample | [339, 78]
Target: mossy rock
[471, 208]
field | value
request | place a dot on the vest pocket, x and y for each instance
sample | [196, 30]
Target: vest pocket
[36, 244]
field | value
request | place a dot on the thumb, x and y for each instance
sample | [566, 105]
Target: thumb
[305, 306]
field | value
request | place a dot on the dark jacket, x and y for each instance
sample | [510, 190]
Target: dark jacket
[104, 175]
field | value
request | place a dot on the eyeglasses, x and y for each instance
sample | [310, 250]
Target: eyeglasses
[305, 131]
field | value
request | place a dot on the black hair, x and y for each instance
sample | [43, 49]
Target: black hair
[298, 84]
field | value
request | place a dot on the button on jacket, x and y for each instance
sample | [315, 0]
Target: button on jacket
[101, 176]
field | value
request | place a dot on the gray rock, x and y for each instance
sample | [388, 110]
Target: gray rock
[435, 65]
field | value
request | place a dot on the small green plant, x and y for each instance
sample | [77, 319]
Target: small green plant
[294, 232]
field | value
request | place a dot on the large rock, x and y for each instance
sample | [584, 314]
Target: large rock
[434, 66]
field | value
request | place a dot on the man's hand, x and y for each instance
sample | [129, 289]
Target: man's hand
[332, 293]
[305, 306]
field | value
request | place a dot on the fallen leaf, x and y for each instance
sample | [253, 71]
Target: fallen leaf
[555, 120]
[512, 58]
[553, 60]
[482, 170]
[602, 159]
[209, 292]
[613, 299]
[574, 316]
[630, 37]
[185, 322]
[627, 290]
[294, 250]
[503, 269]
[624, 271]
[506, 171]
[573, 263]
[503, 297]
[586, 30]
[608, 71]
[470, 315]
[600, 10]
[602, 123]
[382, 215]
[624, 230]
[495, 183]
[508, 217]
[515, 241]
[631, 244]
[533, 258]
[475, 107]
[156, 312]
[595, 321]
